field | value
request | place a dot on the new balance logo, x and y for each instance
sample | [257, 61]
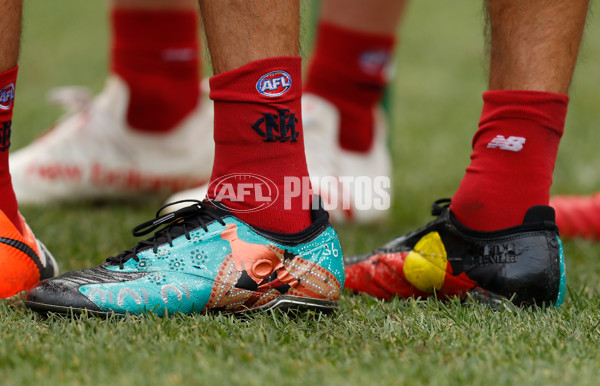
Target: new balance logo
[511, 143]
[277, 127]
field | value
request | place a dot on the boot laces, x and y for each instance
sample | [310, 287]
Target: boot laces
[174, 224]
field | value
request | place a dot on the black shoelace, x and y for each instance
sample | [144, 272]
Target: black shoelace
[175, 224]
[439, 205]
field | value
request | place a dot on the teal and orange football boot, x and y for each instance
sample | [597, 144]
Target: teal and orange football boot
[205, 259]
[524, 263]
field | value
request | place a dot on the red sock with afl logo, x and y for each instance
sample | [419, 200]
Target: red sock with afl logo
[8, 201]
[513, 158]
[156, 53]
[349, 69]
[259, 143]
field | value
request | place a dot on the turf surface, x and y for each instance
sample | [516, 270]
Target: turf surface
[435, 107]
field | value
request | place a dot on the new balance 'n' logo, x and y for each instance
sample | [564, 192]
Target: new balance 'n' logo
[277, 127]
[511, 143]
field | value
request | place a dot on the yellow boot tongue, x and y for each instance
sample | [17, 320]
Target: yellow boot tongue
[425, 265]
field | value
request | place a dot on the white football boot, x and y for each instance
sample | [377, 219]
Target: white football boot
[355, 187]
[91, 153]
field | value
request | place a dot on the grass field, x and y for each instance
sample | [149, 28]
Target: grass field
[435, 105]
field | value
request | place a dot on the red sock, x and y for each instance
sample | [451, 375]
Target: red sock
[349, 69]
[513, 158]
[258, 132]
[156, 54]
[8, 201]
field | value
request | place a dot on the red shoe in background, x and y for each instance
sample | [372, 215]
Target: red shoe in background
[578, 216]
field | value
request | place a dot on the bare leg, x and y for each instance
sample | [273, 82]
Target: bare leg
[374, 16]
[241, 31]
[10, 33]
[534, 44]
[155, 4]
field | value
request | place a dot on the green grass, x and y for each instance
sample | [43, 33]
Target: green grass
[436, 104]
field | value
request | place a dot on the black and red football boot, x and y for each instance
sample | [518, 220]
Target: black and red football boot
[524, 263]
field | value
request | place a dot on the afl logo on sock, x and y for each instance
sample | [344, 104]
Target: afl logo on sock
[7, 96]
[274, 83]
[374, 63]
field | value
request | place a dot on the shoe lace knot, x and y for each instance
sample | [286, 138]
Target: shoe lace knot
[174, 224]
